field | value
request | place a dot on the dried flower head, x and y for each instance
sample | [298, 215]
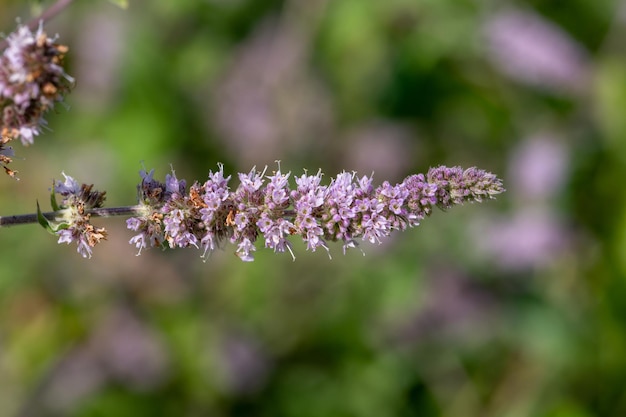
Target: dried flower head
[75, 223]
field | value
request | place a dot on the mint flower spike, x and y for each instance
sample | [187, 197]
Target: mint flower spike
[346, 209]
[32, 80]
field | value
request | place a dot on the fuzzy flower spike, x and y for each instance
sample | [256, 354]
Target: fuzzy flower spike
[347, 209]
[32, 79]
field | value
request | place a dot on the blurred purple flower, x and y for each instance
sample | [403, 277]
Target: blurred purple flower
[120, 349]
[531, 50]
[129, 351]
[531, 239]
[245, 364]
[538, 167]
[455, 306]
[535, 233]
[98, 55]
[268, 103]
[32, 79]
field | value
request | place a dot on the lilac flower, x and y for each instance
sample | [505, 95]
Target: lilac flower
[150, 231]
[214, 192]
[149, 190]
[179, 217]
[138, 240]
[345, 210]
[244, 249]
[68, 188]
[308, 199]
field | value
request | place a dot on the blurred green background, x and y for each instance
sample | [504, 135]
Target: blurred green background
[514, 307]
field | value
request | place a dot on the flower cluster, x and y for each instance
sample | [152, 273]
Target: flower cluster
[74, 220]
[32, 79]
[264, 205]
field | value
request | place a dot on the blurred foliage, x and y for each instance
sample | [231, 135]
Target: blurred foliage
[508, 308]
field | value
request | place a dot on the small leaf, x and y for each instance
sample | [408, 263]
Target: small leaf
[53, 201]
[45, 223]
[122, 4]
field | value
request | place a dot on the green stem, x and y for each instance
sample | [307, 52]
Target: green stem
[6, 221]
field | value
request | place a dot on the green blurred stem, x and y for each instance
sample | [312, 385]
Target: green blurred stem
[49, 13]
[6, 221]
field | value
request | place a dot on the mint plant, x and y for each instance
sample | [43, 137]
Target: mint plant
[208, 214]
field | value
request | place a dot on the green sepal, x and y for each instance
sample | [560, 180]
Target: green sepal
[53, 201]
[45, 223]
[122, 4]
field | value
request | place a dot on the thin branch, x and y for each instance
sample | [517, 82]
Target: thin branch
[6, 221]
[48, 14]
